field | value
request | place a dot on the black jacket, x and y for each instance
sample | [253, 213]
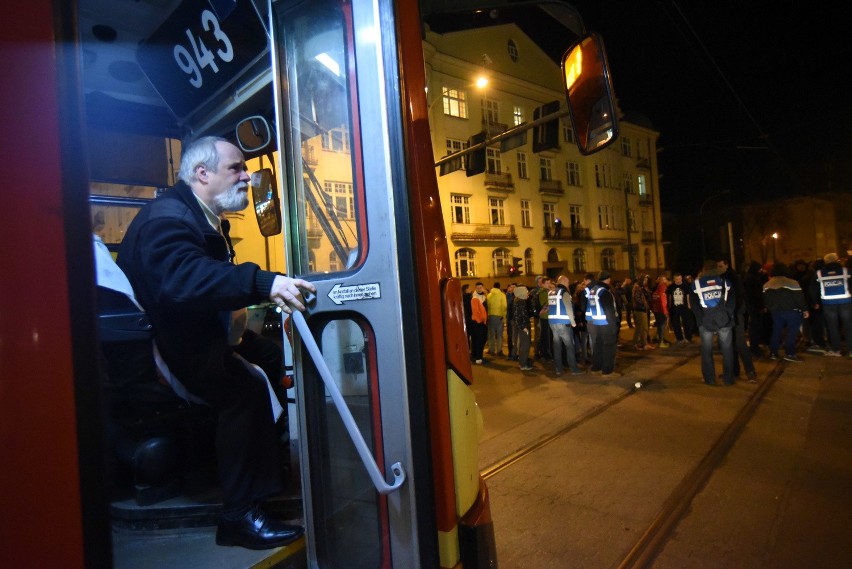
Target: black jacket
[180, 270]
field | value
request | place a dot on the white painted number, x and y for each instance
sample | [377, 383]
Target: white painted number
[203, 57]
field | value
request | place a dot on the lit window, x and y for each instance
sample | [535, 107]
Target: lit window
[455, 102]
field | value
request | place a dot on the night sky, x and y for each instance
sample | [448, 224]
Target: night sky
[752, 97]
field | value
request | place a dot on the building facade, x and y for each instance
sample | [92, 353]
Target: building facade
[551, 212]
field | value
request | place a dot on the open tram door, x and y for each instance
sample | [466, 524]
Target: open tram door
[363, 223]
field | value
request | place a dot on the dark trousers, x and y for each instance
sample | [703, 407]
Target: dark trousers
[478, 334]
[681, 324]
[247, 445]
[603, 352]
[708, 369]
[792, 321]
[835, 315]
[563, 347]
[741, 348]
[543, 341]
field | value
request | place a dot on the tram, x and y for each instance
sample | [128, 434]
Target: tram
[327, 99]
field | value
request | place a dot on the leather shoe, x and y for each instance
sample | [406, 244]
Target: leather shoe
[256, 531]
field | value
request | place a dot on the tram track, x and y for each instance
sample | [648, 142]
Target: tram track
[529, 449]
[658, 532]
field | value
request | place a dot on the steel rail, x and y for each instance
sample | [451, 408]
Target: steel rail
[643, 553]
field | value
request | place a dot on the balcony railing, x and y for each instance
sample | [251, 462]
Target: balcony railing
[494, 128]
[646, 199]
[550, 187]
[501, 182]
[644, 163]
[567, 234]
[647, 237]
[482, 232]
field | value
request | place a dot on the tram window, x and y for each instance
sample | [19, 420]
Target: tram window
[349, 514]
[114, 206]
[325, 141]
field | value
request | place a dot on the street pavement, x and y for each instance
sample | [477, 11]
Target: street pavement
[780, 498]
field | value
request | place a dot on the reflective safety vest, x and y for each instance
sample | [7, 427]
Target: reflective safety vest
[834, 286]
[711, 291]
[558, 312]
[594, 309]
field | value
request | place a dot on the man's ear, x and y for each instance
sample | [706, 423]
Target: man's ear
[201, 173]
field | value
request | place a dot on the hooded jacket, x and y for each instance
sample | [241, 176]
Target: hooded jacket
[783, 293]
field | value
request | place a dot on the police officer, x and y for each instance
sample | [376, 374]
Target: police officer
[603, 316]
[831, 286]
[712, 300]
[560, 317]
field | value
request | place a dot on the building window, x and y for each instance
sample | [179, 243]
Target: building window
[336, 140]
[605, 217]
[567, 131]
[628, 183]
[526, 218]
[572, 170]
[490, 111]
[603, 175]
[501, 260]
[631, 219]
[342, 198]
[512, 48]
[465, 263]
[528, 261]
[517, 115]
[643, 186]
[495, 208]
[647, 258]
[545, 166]
[333, 263]
[579, 257]
[454, 145]
[574, 215]
[461, 208]
[626, 147]
[608, 259]
[493, 164]
[549, 210]
[455, 102]
[522, 165]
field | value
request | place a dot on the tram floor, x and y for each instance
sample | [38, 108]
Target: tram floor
[609, 457]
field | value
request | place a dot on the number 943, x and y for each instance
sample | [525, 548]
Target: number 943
[201, 57]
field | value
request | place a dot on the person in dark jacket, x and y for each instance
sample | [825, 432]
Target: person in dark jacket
[606, 322]
[785, 301]
[741, 351]
[178, 257]
[712, 300]
[753, 282]
[832, 287]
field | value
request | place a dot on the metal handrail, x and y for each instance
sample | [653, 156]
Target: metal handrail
[376, 475]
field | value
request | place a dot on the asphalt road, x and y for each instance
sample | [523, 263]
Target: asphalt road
[609, 458]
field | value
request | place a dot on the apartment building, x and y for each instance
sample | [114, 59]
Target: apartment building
[551, 211]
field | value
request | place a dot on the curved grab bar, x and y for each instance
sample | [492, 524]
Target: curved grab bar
[354, 433]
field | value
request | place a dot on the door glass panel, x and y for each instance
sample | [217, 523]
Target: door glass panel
[350, 517]
[314, 51]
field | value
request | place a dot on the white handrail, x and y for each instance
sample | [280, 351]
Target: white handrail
[348, 420]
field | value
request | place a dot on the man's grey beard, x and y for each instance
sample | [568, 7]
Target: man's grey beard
[232, 200]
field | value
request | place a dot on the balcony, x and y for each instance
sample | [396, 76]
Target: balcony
[499, 182]
[644, 163]
[552, 187]
[646, 199]
[567, 234]
[647, 237]
[492, 128]
[473, 232]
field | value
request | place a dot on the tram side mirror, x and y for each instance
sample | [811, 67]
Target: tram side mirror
[267, 207]
[588, 88]
[253, 134]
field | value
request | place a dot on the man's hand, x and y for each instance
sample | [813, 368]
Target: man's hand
[287, 293]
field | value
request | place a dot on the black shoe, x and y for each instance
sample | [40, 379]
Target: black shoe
[256, 531]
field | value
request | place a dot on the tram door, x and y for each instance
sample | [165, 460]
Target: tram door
[344, 202]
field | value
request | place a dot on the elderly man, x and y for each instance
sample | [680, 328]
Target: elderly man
[179, 260]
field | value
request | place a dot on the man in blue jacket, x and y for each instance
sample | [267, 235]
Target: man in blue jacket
[713, 300]
[831, 287]
[178, 258]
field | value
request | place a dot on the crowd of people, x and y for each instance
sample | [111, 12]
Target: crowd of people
[802, 307]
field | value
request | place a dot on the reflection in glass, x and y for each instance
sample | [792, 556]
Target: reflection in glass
[315, 38]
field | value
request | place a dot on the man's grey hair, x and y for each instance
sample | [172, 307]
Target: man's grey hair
[197, 153]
